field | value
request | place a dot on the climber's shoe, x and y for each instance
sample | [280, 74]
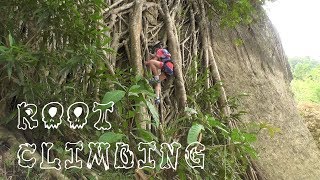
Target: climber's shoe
[154, 81]
[157, 101]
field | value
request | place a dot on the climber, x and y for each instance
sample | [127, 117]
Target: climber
[160, 60]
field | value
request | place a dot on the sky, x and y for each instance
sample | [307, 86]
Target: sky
[298, 23]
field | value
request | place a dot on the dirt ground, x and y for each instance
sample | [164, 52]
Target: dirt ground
[311, 115]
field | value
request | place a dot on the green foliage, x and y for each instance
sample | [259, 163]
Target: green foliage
[194, 132]
[114, 96]
[238, 42]
[272, 130]
[306, 82]
[197, 95]
[229, 150]
[133, 93]
[293, 61]
[111, 137]
[301, 70]
[52, 50]
[154, 112]
[234, 12]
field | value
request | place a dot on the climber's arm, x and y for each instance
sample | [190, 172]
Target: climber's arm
[152, 55]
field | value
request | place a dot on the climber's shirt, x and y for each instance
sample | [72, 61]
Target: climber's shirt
[167, 64]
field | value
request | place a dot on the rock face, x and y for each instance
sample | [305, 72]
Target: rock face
[259, 67]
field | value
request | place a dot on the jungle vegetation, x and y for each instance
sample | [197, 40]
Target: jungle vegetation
[69, 51]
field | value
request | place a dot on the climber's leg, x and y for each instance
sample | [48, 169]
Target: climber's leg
[158, 87]
[154, 66]
[162, 76]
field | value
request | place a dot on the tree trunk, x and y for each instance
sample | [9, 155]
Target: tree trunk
[174, 48]
[135, 30]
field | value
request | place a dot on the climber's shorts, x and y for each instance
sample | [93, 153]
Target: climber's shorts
[167, 68]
